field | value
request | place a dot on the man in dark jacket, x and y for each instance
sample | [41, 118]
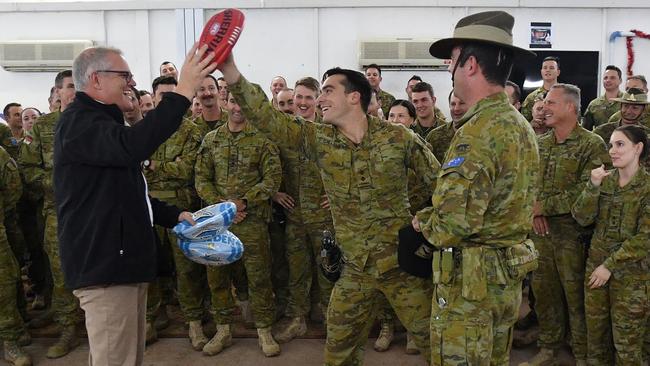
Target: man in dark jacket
[106, 216]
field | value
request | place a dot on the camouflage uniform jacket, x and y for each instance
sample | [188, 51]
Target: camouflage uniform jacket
[300, 176]
[622, 217]
[599, 110]
[643, 120]
[364, 182]
[385, 100]
[440, 139]
[204, 127]
[244, 165]
[486, 187]
[9, 142]
[174, 160]
[37, 157]
[527, 105]
[10, 185]
[565, 167]
[424, 131]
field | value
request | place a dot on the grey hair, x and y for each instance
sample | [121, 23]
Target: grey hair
[571, 94]
[88, 61]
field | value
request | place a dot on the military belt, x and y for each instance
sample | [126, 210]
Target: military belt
[163, 194]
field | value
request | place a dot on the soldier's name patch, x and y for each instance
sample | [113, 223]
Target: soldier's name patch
[453, 163]
[461, 148]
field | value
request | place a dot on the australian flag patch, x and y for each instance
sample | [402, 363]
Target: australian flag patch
[453, 163]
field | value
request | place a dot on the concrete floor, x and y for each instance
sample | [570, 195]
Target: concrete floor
[244, 351]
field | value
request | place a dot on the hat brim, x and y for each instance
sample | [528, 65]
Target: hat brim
[443, 47]
[620, 100]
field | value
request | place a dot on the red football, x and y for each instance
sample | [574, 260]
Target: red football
[221, 32]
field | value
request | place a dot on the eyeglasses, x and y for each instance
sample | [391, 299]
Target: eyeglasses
[126, 75]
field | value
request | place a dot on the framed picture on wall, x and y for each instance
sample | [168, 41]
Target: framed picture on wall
[540, 35]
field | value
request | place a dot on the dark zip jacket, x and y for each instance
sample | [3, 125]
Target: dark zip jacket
[105, 232]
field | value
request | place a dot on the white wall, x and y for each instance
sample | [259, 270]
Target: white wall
[299, 38]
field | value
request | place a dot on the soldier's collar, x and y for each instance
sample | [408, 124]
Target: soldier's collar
[487, 102]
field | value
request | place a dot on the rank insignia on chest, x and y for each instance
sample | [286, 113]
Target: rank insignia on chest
[455, 162]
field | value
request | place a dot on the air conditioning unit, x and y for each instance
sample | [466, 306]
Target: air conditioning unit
[400, 54]
[40, 56]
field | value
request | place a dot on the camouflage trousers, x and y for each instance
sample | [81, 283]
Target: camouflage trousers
[559, 287]
[32, 224]
[354, 304]
[11, 323]
[279, 266]
[616, 314]
[64, 304]
[473, 331]
[303, 257]
[16, 243]
[254, 234]
[191, 281]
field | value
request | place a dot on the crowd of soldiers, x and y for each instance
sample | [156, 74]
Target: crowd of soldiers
[236, 145]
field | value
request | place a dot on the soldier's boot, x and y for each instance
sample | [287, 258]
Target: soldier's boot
[386, 334]
[545, 357]
[38, 303]
[222, 339]
[15, 355]
[66, 343]
[268, 345]
[162, 319]
[197, 337]
[411, 348]
[151, 334]
[294, 327]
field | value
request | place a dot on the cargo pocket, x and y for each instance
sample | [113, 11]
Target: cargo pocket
[460, 342]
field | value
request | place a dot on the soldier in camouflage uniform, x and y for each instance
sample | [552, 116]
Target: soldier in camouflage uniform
[600, 109]
[424, 101]
[36, 159]
[550, 72]
[616, 298]
[237, 163]
[169, 173]
[11, 323]
[212, 116]
[440, 138]
[568, 154]
[483, 201]
[11, 137]
[633, 105]
[307, 219]
[385, 99]
[639, 82]
[363, 164]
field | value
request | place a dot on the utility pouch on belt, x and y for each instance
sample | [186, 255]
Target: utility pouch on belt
[474, 275]
[520, 259]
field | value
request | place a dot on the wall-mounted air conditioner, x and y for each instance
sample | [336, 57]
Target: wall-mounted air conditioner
[40, 56]
[400, 54]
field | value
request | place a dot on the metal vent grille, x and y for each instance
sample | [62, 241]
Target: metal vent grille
[419, 50]
[15, 52]
[399, 54]
[381, 50]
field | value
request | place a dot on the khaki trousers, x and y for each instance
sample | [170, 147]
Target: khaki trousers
[115, 322]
